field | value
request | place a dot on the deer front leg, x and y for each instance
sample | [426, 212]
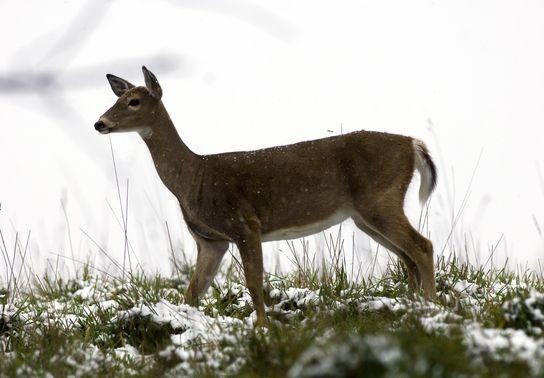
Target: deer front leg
[251, 253]
[210, 254]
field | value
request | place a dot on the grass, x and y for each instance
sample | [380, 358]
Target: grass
[487, 322]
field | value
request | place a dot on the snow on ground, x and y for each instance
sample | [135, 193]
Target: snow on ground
[189, 323]
[339, 359]
[505, 344]
[188, 326]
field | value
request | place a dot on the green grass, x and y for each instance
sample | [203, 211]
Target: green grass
[321, 324]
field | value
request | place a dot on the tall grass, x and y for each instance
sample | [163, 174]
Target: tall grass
[97, 323]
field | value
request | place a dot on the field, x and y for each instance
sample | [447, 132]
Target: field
[487, 323]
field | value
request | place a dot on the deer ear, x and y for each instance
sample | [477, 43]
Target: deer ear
[118, 85]
[152, 83]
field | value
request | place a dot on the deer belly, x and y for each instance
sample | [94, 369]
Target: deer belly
[306, 229]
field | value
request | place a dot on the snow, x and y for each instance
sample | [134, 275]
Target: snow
[463, 286]
[7, 311]
[440, 322]
[536, 299]
[300, 297]
[192, 323]
[505, 344]
[381, 303]
[87, 292]
[190, 326]
[127, 351]
[347, 356]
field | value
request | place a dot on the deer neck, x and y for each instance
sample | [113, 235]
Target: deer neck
[175, 163]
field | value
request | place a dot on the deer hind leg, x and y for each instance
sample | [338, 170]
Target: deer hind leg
[414, 279]
[210, 254]
[390, 222]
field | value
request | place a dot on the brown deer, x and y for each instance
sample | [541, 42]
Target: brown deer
[281, 192]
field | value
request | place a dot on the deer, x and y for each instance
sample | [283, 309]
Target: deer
[281, 193]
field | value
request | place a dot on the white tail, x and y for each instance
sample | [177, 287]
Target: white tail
[282, 192]
[426, 169]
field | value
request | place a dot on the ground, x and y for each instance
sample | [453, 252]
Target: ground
[486, 322]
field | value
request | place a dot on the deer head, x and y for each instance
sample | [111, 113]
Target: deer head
[135, 108]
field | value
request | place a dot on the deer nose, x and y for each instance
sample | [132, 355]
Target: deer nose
[99, 125]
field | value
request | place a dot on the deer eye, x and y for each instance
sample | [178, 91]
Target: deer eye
[134, 102]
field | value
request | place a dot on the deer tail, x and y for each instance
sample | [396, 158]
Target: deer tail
[426, 169]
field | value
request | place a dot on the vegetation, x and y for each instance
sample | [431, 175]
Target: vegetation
[486, 323]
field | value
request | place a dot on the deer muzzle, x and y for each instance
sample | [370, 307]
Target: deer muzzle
[101, 127]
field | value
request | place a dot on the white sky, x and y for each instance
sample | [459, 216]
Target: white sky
[255, 74]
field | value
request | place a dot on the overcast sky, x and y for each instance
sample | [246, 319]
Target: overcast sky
[467, 77]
